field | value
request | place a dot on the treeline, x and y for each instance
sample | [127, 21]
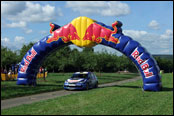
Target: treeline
[165, 64]
[67, 60]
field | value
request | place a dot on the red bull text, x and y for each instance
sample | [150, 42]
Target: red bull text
[28, 60]
[144, 66]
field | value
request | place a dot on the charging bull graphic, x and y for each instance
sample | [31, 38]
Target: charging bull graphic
[83, 32]
[86, 32]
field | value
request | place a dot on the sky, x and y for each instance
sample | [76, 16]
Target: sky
[148, 22]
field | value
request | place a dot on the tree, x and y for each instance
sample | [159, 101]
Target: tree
[76, 60]
[50, 62]
[89, 63]
[25, 49]
[86, 49]
[100, 62]
[8, 57]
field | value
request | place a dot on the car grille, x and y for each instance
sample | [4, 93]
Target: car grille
[72, 82]
[69, 85]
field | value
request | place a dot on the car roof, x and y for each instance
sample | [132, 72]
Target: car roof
[82, 72]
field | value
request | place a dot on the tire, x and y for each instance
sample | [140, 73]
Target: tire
[96, 86]
[87, 86]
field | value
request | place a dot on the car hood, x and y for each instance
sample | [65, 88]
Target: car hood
[74, 80]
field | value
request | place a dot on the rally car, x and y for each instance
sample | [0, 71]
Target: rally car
[81, 80]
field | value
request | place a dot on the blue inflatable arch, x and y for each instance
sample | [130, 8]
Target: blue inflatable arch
[85, 32]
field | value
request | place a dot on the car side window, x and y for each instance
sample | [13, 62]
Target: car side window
[89, 76]
[93, 76]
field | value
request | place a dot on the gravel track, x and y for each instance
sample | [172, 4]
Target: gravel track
[8, 103]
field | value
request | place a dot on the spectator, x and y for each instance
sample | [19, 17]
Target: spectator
[2, 71]
[10, 72]
[40, 69]
[13, 68]
[5, 71]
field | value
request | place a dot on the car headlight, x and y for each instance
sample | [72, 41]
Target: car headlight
[83, 81]
[66, 82]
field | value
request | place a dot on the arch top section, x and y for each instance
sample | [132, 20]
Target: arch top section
[85, 32]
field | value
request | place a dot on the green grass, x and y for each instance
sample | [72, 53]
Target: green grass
[126, 99]
[54, 82]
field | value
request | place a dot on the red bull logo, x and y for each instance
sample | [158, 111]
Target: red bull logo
[83, 32]
[100, 33]
[63, 33]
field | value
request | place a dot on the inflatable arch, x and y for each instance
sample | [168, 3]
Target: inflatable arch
[86, 32]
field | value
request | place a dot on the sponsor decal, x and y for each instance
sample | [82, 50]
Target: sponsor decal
[28, 60]
[145, 66]
[74, 81]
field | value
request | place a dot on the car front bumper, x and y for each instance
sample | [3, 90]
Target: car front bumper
[74, 86]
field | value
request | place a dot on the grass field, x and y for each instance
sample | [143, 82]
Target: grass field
[126, 99]
[53, 82]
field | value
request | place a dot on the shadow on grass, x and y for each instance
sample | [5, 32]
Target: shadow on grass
[124, 86]
[167, 89]
[59, 81]
[48, 85]
[164, 89]
[28, 88]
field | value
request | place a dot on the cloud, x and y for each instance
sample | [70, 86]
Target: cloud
[44, 32]
[15, 44]
[154, 25]
[29, 12]
[7, 43]
[154, 43]
[27, 31]
[5, 40]
[20, 24]
[59, 12]
[19, 39]
[135, 33]
[72, 46]
[11, 7]
[168, 34]
[35, 13]
[18, 14]
[111, 8]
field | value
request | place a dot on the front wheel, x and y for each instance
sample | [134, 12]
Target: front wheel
[87, 86]
[96, 86]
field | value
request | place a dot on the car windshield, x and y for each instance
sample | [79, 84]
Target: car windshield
[79, 76]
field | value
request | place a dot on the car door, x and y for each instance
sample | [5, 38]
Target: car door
[93, 79]
[90, 80]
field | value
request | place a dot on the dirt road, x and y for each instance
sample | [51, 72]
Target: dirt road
[49, 95]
